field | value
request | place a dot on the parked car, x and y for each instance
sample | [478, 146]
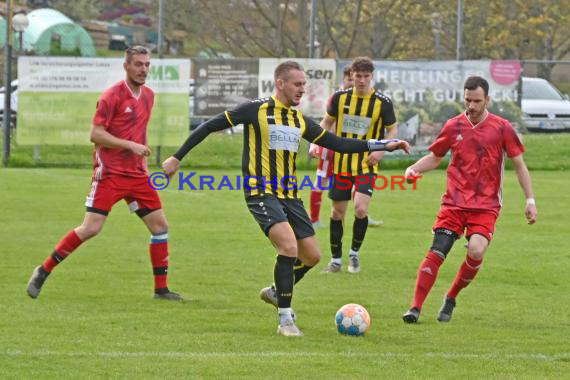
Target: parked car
[544, 107]
[13, 102]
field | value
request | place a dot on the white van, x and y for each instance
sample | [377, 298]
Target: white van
[545, 109]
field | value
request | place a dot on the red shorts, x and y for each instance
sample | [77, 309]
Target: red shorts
[326, 163]
[482, 223]
[136, 191]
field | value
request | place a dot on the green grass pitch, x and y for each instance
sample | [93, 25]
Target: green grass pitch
[96, 318]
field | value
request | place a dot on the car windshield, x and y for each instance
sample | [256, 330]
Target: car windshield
[540, 90]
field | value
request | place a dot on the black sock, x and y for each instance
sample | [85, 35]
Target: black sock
[284, 276]
[336, 232]
[161, 290]
[358, 232]
[300, 270]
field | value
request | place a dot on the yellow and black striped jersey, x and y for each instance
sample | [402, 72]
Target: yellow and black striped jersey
[272, 134]
[360, 117]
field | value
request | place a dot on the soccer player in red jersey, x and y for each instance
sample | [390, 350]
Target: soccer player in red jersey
[478, 141]
[120, 172]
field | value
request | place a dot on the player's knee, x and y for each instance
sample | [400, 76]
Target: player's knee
[337, 214]
[477, 246]
[476, 252]
[361, 212]
[288, 249]
[87, 231]
[443, 240]
[159, 227]
[312, 260]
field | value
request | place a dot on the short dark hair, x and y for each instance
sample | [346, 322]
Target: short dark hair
[347, 71]
[282, 69]
[473, 82]
[362, 64]
[134, 50]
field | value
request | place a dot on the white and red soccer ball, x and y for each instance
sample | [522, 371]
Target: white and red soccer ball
[352, 319]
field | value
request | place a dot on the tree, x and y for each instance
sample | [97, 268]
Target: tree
[518, 29]
[79, 10]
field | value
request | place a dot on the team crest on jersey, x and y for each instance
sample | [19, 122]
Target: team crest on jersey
[128, 109]
[459, 137]
[282, 137]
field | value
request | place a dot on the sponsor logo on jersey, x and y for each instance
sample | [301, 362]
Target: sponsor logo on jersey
[282, 137]
[356, 124]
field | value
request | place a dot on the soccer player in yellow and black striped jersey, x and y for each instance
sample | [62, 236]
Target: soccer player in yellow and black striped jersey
[272, 132]
[359, 112]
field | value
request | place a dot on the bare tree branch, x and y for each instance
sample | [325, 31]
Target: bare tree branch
[253, 39]
[328, 26]
[272, 23]
[354, 27]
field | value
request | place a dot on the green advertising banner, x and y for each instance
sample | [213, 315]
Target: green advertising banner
[57, 98]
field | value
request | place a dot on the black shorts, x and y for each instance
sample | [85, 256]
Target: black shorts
[269, 210]
[342, 190]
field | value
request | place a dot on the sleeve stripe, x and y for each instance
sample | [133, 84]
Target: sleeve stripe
[334, 117]
[390, 126]
[319, 136]
[228, 117]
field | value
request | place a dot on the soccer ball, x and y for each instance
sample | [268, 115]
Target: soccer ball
[352, 319]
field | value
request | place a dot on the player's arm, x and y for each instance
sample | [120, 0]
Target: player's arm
[438, 150]
[217, 123]
[315, 134]
[523, 176]
[101, 137]
[424, 164]
[327, 124]
[375, 157]
[103, 118]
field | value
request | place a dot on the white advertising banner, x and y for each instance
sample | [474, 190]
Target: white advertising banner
[427, 93]
[321, 79]
[76, 74]
[57, 98]
[414, 81]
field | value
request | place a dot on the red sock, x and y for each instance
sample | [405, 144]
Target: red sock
[427, 274]
[466, 274]
[64, 248]
[316, 198]
[159, 259]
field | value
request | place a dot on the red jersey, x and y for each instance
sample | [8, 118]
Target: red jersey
[125, 116]
[475, 172]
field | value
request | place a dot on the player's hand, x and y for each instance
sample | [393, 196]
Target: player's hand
[531, 214]
[398, 144]
[374, 157]
[314, 150]
[139, 149]
[170, 166]
[410, 172]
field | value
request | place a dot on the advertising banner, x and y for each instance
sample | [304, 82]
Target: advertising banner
[221, 84]
[57, 97]
[321, 79]
[427, 93]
